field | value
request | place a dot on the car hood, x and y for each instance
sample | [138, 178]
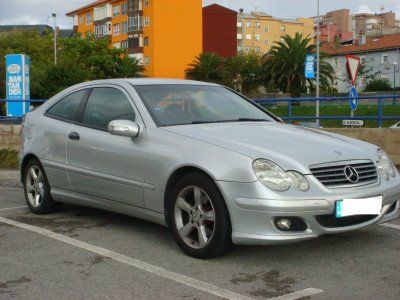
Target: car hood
[292, 147]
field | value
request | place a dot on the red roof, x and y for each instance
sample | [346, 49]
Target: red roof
[96, 3]
[391, 41]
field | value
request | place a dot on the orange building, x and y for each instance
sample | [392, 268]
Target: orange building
[164, 35]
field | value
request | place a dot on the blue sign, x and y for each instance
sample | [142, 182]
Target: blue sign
[309, 69]
[17, 84]
[353, 98]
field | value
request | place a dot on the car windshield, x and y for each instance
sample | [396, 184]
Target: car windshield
[183, 104]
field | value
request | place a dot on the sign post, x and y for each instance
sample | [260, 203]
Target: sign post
[353, 63]
[17, 84]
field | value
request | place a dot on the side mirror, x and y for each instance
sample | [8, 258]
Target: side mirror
[124, 128]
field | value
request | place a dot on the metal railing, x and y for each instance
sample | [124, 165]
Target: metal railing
[380, 101]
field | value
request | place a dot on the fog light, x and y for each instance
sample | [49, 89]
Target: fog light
[284, 224]
[292, 224]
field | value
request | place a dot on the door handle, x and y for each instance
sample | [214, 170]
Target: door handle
[74, 136]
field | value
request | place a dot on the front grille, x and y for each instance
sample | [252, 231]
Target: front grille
[330, 221]
[333, 175]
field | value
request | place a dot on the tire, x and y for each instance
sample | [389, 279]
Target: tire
[37, 191]
[200, 223]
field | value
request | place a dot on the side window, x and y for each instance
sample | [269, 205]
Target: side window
[105, 105]
[68, 107]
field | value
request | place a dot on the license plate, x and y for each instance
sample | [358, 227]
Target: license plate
[353, 207]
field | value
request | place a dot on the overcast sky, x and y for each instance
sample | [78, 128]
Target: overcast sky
[39, 11]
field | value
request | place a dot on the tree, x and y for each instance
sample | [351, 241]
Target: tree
[283, 65]
[378, 85]
[206, 67]
[127, 67]
[241, 72]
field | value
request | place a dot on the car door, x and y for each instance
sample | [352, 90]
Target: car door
[57, 122]
[104, 165]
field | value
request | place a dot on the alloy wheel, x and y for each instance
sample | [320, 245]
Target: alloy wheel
[195, 217]
[34, 185]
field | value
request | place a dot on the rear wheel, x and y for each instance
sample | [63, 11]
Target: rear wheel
[199, 218]
[37, 189]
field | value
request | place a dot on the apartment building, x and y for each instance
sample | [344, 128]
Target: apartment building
[257, 31]
[164, 35]
[375, 23]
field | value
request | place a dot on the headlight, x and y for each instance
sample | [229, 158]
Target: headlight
[385, 165]
[275, 178]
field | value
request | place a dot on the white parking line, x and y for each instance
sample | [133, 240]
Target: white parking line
[15, 207]
[391, 225]
[179, 278]
[299, 294]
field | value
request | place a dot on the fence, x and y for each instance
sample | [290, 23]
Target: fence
[379, 100]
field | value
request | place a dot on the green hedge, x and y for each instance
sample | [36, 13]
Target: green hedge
[8, 159]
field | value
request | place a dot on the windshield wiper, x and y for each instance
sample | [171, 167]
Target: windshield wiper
[234, 120]
[252, 120]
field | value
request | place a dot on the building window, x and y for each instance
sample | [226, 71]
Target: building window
[266, 29]
[81, 20]
[124, 26]
[115, 10]
[134, 5]
[146, 3]
[385, 58]
[124, 44]
[146, 41]
[257, 37]
[257, 25]
[135, 23]
[124, 8]
[283, 28]
[257, 49]
[117, 45]
[248, 24]
[239, 24]
[146, 21]
[239, 36]
[248, 48]
[266, 42]
[89, 19]
[116, 29]
[146, 60]
[239, 48]
[248, 36]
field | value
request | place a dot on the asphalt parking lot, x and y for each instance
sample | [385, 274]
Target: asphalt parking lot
[86, 253]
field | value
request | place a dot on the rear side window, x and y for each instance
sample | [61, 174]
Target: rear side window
[105, 105]
[68, 107]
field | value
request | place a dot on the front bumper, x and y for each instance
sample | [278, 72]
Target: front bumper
[253, 218]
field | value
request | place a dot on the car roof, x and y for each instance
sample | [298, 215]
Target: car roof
[150, 81]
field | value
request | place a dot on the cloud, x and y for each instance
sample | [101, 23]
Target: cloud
[364, 9]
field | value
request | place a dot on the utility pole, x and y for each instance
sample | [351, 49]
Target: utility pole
[55, 37]
[318, 56]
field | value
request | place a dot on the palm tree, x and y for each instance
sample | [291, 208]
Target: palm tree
[284, 64]
[128, 67]
[205, 67]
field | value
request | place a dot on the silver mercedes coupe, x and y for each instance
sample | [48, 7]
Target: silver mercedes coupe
[210, 164]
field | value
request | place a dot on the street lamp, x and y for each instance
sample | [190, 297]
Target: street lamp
[318, 79]
[394, 75]
[55, 37]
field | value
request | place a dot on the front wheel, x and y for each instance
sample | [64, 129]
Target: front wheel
[37, 189]
[199, 218]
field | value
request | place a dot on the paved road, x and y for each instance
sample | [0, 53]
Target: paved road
[86, 253]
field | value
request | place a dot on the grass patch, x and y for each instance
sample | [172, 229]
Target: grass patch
[8, 159]
[338, 110]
